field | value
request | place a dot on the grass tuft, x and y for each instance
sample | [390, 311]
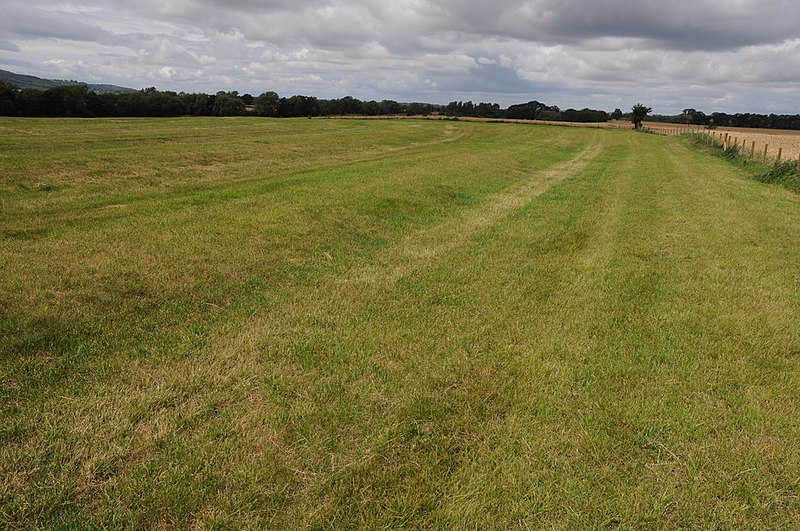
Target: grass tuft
[784, 174]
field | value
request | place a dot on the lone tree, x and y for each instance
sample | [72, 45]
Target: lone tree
[638, 114]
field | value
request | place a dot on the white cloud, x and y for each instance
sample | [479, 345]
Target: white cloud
[166, 72]
[71, 8]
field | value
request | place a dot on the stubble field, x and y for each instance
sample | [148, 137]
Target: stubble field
[783, 141]
[787, 143]
[254, 323]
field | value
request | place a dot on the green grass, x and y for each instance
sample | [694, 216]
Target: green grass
[247, 323]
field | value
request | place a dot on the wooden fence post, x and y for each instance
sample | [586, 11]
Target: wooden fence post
[766, 146]
[752, 148]
[778, 160]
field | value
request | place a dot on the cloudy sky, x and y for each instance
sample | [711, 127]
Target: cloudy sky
[713, 55]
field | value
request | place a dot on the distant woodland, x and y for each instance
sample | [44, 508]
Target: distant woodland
[721, 119]
[79, 100]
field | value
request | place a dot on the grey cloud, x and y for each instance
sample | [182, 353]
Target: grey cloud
[7, 45]
[491, 79]
[11, 62]
[683, 24]
[24, 21]
[675, 24]
[417, 25]
[568, 52]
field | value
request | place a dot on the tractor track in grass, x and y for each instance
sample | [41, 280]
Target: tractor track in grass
[427, 245]
[420, 249]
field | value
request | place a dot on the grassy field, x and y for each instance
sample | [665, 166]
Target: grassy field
[248, 323]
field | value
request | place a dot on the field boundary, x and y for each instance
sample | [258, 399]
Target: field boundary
[759, 165]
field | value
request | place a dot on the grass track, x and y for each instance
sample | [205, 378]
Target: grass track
[244, 323]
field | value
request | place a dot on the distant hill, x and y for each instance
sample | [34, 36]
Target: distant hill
[24, 81]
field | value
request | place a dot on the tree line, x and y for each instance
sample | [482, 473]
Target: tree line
[533, 110]
[721, 119]
[80, 101]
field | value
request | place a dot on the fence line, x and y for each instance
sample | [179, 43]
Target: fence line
[724, 139]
